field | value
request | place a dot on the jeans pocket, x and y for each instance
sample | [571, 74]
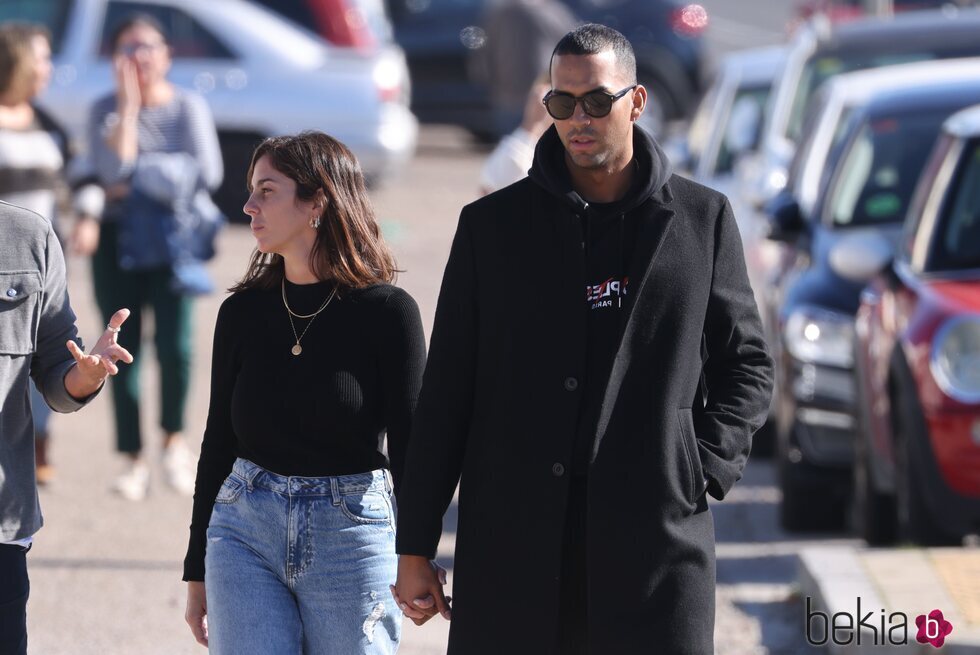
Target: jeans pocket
[367, 508]
[231, 490]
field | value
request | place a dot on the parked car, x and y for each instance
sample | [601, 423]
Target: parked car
[867, 190]
[362, 24]
[837, 99]
[260, 74]
[728, 120]
[917, 460]
[820, 51]
[840, 11]
[439, 35]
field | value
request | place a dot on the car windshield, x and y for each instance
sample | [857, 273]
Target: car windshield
[879, 169]
[958, 247]
[821, 68]
[757, 95]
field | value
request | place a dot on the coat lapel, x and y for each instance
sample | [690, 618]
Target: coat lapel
[655, 219]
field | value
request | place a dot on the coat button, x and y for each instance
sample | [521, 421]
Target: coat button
[571, 384]
[11, 293]
[558, 470]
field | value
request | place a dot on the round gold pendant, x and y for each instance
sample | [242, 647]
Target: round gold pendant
[297, 349]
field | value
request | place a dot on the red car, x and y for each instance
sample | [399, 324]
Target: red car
[917, 460]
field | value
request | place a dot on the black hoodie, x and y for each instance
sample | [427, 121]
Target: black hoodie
[606, 230]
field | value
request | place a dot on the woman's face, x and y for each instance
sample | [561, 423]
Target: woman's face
[146, 48]
[280, 221]
[42, 63]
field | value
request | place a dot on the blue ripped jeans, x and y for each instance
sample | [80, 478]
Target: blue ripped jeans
[302, 565]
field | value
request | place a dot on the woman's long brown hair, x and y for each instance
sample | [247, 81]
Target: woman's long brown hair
[349, 248]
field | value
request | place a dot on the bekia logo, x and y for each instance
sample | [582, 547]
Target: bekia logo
[933, 629]
[877, 629]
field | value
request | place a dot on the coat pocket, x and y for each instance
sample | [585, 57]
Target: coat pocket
[690, 442]
[20, 307]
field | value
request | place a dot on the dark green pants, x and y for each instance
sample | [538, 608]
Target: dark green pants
[115, 289]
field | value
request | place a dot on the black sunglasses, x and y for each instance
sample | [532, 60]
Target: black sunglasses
[596, 104]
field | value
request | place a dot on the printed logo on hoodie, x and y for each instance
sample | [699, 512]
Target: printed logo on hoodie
[607, 294]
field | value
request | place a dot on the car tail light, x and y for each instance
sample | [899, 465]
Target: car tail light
[690, 20]
[344, 24]
[388, 79]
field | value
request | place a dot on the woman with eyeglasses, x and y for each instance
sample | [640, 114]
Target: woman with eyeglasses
[316, 358]
[154, 149]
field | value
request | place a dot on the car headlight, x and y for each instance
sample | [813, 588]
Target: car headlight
[955, 360]
[820, 336]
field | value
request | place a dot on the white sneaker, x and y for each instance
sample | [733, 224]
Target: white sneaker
[134, 482]
[180, 467]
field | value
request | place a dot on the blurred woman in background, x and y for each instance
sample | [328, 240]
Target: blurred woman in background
[34, 154]
[155, 151]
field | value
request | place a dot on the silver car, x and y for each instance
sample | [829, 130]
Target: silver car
[261, 74]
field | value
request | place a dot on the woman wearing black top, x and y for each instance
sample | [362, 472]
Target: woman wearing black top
[315, 357]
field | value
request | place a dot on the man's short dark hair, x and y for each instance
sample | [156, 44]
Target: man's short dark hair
[591, 39]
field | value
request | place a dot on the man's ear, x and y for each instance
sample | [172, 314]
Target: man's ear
[639, 96]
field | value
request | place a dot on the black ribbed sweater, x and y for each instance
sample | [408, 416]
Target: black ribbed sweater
[324, 412]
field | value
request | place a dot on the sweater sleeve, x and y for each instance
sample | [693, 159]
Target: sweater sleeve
[218, 447]
[738, 371]
[442, 420]
[52, 360]
[402, 362]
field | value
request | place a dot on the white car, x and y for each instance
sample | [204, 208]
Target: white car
[728, 120]
[838, 99]
[819, 52]
[261, 74]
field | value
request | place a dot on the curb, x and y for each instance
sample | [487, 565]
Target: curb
[833, 578]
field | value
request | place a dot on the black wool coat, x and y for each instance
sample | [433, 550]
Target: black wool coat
[500, 403]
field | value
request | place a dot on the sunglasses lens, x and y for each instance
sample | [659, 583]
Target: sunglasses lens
[560, 106]
[597, 105]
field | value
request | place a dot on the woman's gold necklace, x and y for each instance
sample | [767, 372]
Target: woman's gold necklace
[298, 349]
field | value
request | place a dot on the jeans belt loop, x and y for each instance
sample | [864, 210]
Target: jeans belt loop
[252, 472]
[389, 483]
[335, 491]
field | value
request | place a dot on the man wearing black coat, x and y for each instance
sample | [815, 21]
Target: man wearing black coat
[584, 429]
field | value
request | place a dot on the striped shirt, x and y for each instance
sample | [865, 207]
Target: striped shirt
[183, 125]
[32, 162]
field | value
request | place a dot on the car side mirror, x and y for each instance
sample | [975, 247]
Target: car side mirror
[786, 222]
[860, 257]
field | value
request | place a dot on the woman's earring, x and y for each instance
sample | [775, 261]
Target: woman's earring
[315, 222]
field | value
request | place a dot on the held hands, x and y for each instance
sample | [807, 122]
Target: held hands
[91, 370]
[418, 590]
[196, 613]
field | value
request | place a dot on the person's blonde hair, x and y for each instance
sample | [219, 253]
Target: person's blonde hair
[17, 60]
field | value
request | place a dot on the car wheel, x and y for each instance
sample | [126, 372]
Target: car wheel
[874, 512]
[808, 503]
[915, 521]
